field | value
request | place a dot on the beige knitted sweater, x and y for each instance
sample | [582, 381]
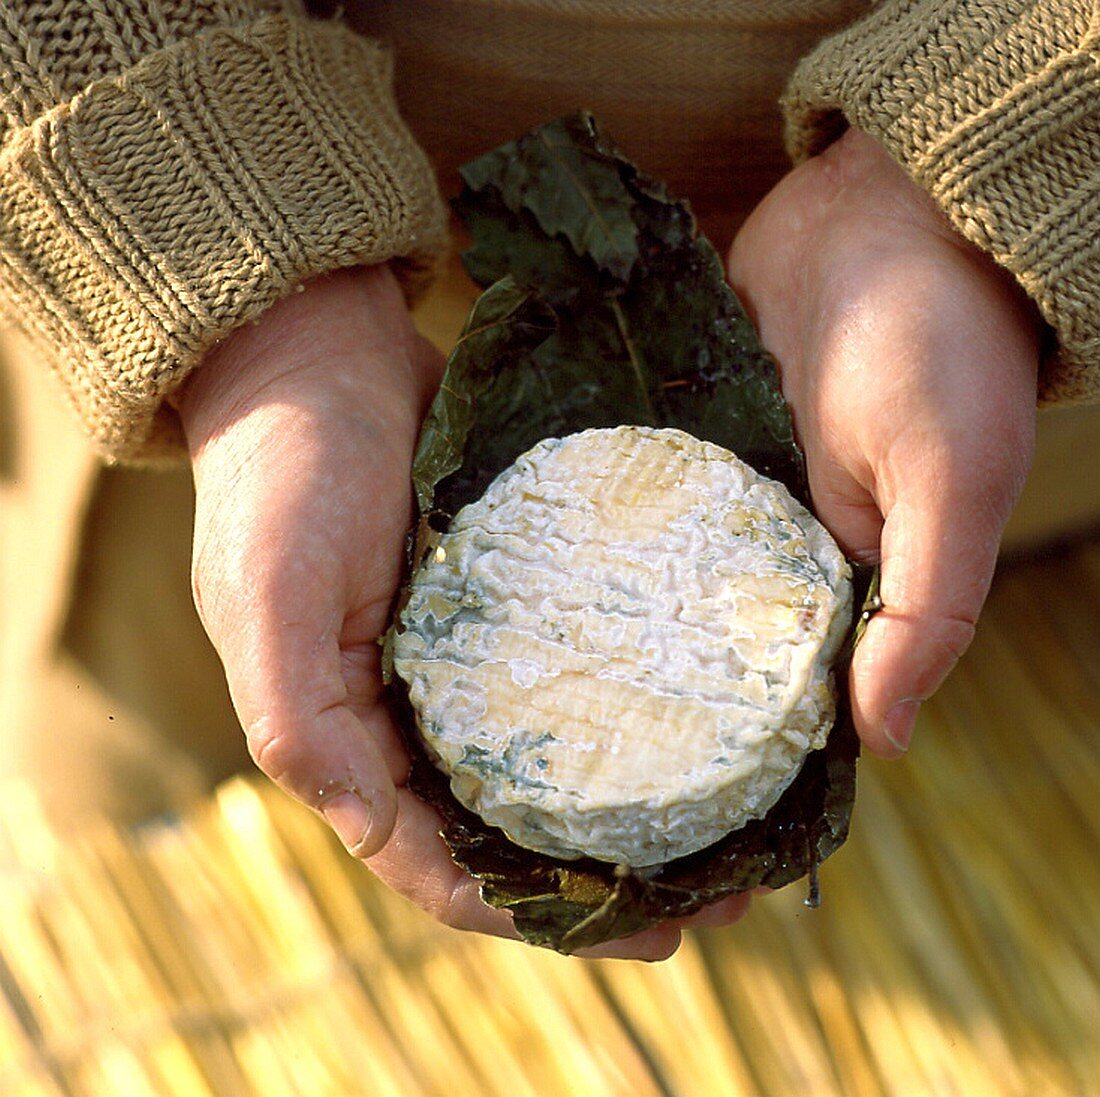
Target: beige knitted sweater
[170, 168]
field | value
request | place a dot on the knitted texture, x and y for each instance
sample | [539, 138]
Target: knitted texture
[995, 110]
[170, 169]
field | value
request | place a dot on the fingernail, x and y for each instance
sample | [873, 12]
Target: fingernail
[349, 816]
[898, 727]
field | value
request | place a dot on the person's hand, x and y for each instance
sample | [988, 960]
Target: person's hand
[301, 429]
[909, 360]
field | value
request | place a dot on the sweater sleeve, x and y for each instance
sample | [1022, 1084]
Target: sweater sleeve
[170, 169]
[995, 110]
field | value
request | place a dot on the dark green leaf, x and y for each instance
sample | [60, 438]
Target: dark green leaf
[560, 175]
[505, 324]
[665, 344]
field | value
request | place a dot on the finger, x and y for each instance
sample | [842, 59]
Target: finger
[329, 761]
[722, 913]
[938, 556]
[306, 732]
[417, 864]
[651, 945]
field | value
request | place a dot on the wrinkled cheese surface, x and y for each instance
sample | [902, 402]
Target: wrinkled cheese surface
[622, 649]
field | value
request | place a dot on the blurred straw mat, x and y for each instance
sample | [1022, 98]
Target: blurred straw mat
[239, 951]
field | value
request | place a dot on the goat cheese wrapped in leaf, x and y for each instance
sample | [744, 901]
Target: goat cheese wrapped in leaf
[623, 649]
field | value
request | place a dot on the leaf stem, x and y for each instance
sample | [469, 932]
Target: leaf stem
[635, 361]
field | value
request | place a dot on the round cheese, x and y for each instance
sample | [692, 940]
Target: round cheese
[622, 650]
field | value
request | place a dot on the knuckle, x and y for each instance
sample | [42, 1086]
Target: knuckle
[953, 635]
[273, 748]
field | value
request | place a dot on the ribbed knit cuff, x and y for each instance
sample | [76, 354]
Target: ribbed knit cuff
[158, 210]
[995, 110]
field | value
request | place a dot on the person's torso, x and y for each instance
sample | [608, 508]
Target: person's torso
[688, 88]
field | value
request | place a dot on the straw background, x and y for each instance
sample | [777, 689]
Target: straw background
[240, 951]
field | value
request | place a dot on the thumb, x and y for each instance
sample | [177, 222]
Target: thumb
[312, 720]
[329, 761]
[939, 550]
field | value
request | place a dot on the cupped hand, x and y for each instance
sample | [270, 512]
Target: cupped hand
[301, 429]
[909, 360]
